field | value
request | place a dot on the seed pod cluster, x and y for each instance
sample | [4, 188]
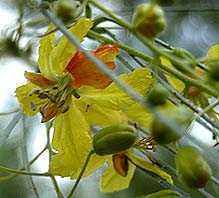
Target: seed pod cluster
[149, 20]
[173, 127]
[114, 139]
[192, 168]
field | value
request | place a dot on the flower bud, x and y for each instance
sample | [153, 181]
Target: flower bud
[192, 168]
[173, 127]
[114, 139]
[149, 20]
[158, 95]
[67, 10]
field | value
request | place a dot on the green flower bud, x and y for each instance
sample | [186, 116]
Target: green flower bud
[114, 139]
[213, 66]
[158, 95]
[192, 168]
[149, 20]
[67, 10]
[163, 132]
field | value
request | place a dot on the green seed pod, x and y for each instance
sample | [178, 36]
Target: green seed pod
[175, 125]
[158, 95]
[164, 194]
[114, 139]
[67, 10]
[213, 66]
[192, 168]
[149, 20]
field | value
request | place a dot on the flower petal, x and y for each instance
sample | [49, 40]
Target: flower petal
[176, 83]
[30, 103]
[46, 46]
[86, 73]
[38, 79]
[149, 167]
[111, 181]
[73, 142]
[63, 52]
[213, 53]
[112, 105]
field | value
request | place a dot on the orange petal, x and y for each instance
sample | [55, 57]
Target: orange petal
[38, 79]
[86, 73]
[120, 164]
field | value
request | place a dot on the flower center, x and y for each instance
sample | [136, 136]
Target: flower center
[58, 97]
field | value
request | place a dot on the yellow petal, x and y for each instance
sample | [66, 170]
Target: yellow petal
[64, 51]
[112, 100]
[150, 167]
[111, 181]
[46, 46]
[176, 83]
[97, 114]
[30, 104]
[139, 115]
[213, 53]
[72, 141]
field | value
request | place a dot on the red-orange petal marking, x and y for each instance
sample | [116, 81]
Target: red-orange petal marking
[38, 79]
[85, 72]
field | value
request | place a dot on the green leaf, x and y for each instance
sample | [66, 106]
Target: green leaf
[30, 104]
[150, 167]
[112, 104]
[72, 142]
[64, 51]
[111, 181]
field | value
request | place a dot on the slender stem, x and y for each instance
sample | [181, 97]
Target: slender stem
[9, 112]
[29, 164]
[208, 108]
[81, 174]
[56, 186]
[20, 172]
[143, 39]
[102, 67]
[25, 156]
[185, 101]
[137, 53]
[134, 52]
[52, 177]
[99, 64]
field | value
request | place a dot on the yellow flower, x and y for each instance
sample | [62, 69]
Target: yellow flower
[77, 102]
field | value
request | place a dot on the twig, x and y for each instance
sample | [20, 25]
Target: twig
[9, 112]
[25, 157]
[20, 172]
[53, 179]
[81, 174]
